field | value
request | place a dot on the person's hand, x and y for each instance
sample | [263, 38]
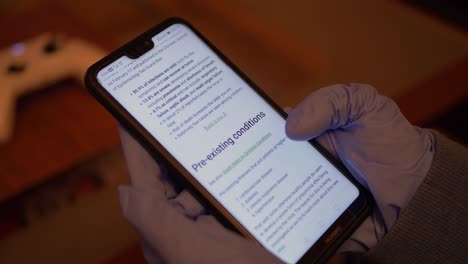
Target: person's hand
[172, 225]
[381, 149]
[365, 130]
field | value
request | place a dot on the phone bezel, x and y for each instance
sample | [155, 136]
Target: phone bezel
[341, 229]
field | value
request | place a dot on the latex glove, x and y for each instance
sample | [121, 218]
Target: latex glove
[174, 227]
[389, 156]
[380, 148]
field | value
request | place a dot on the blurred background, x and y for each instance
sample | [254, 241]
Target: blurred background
[60, 167]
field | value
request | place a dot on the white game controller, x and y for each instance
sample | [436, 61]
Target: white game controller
[37, 63]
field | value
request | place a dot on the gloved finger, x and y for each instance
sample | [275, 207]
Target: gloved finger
[331, 108]
[178, 239]
[188, 204]
[144, 171]
[323, 140]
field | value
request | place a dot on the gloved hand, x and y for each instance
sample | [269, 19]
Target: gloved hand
[174, 227]
[381, 149]
[365, 130]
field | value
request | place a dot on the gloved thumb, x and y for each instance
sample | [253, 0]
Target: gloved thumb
[331, 107]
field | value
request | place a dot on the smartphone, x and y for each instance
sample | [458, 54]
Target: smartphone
[193, 109]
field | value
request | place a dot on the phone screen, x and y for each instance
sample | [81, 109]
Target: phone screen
[285, 193]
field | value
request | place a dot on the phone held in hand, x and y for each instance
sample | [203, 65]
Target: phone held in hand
[191, 108]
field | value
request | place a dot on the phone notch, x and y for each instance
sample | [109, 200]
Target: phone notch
[139, 47]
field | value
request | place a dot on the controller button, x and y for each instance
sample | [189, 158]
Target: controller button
[50, 47]
[16, 68]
